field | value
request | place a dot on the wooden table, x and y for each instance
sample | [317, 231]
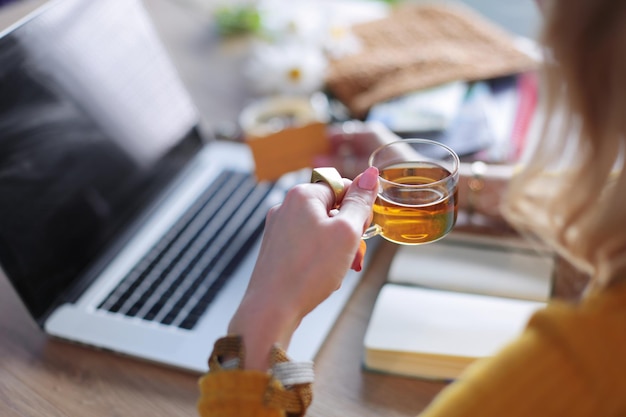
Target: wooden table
[40, 376]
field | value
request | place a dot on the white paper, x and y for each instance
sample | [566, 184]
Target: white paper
[505, 272]
[427, 321]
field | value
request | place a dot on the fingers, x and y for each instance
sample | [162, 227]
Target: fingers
[355, 202]
[352, 143]
[361, 137]
[354, 134]
[356, 205]
[357, 262]
[327, 196]
[331, 177]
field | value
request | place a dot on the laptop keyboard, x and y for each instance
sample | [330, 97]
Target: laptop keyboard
[176, 281]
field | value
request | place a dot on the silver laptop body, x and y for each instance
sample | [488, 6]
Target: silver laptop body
[109, 196]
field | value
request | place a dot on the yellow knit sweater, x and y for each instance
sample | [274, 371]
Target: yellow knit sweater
[570, 361]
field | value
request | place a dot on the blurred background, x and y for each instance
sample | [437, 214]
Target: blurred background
[521, 17]
[207, 39]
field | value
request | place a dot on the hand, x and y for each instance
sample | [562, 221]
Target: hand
[482, 188]
[352, 143]
[305, 253]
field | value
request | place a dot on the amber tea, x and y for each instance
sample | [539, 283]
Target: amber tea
[414, 215]
[417, 197]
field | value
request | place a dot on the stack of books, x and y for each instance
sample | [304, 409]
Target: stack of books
[449, 303]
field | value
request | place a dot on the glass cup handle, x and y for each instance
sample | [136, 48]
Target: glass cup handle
[372, 231]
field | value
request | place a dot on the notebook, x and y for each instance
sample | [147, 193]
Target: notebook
[121, 227]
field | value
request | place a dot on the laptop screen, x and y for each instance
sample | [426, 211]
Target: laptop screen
[94, 123]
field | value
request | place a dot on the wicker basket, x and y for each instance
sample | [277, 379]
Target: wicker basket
[420, 46]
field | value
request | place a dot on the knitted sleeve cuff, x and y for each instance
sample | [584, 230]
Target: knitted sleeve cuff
[228, 390]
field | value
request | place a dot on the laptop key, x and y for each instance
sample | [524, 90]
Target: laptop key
[176, 281]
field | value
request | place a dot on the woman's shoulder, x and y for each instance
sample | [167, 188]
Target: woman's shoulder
[592, 332]
[604, 304]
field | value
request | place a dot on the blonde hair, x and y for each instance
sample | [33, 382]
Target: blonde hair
[571, 190]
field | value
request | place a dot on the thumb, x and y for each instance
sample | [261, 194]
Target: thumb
[359, 198]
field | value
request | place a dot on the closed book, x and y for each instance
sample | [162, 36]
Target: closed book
[448, 304]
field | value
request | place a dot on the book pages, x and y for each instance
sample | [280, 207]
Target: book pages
[479, 269]
[431, 333]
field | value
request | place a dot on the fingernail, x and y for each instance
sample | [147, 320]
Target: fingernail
[369, 179]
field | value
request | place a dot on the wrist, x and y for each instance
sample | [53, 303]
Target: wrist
[262, 326]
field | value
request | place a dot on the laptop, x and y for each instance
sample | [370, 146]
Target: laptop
[121, 226]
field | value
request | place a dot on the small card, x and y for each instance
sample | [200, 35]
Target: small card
[287, 150]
